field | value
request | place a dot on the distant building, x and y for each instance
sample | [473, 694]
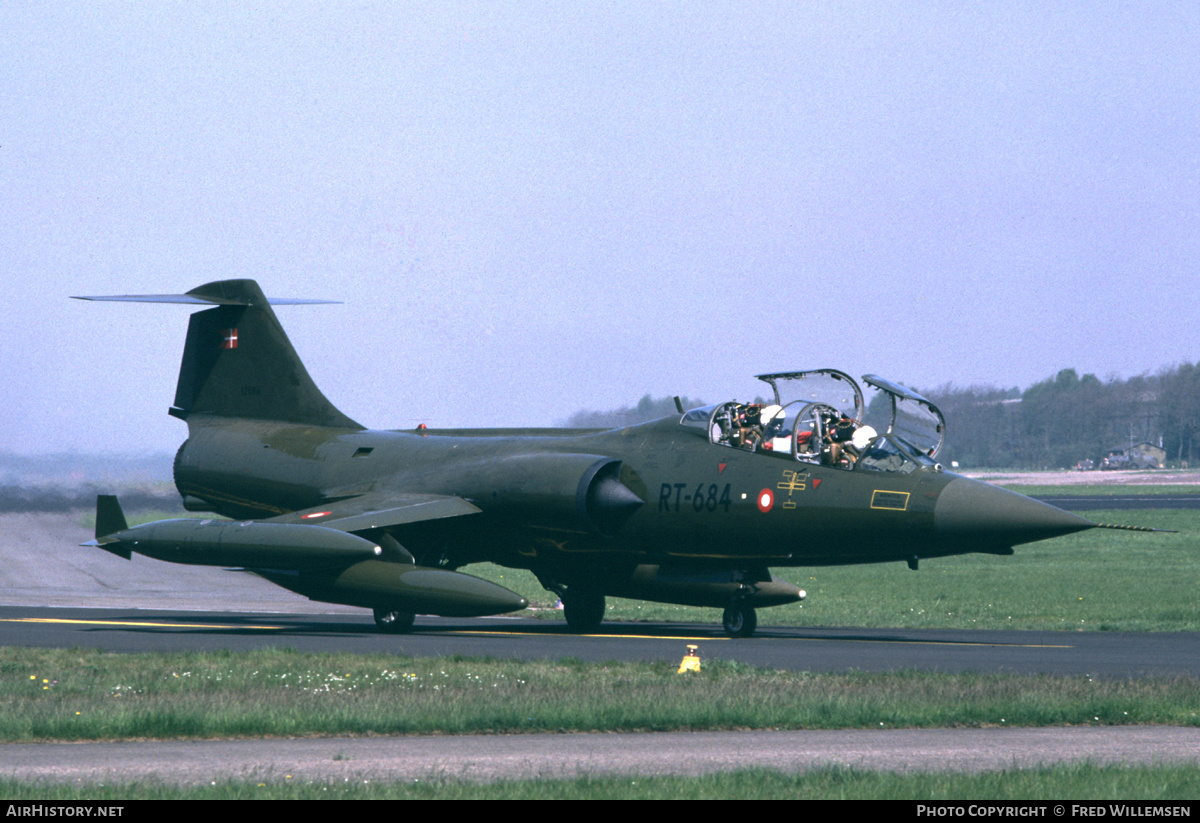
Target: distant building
[1139, 456]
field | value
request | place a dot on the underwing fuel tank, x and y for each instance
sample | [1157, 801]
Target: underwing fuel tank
[714, 588]
[376, 584]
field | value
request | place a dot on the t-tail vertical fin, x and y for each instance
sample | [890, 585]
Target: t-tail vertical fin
[238, 362]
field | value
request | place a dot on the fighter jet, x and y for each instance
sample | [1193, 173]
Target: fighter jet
[691, 509]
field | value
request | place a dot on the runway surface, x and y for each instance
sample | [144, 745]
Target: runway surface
[1103, 654]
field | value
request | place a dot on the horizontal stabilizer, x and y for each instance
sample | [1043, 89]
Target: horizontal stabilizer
[220, 293]
[197, 300]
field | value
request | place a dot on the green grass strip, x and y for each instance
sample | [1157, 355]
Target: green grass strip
[1078, 782]
[91, 695]
[1104, 490]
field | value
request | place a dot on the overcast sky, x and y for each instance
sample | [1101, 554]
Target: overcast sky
[529, 209]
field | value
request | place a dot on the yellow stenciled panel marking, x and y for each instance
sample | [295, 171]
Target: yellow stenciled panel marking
[892, 501]
[793, 481]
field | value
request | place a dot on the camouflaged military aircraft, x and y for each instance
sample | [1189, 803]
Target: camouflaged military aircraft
[691, 509]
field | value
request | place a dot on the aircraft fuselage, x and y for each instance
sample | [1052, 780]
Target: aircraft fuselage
[691, 509]
[700, 502]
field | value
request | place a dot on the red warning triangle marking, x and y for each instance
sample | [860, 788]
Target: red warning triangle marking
[816, 482]
[721, 467]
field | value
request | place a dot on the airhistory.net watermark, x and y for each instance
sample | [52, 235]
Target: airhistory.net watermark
[63, 810]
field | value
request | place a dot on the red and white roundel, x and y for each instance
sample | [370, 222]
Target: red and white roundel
[765, 500]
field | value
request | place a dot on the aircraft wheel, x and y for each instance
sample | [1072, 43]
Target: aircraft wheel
[394, 622]
[739, 621]
[584, 611]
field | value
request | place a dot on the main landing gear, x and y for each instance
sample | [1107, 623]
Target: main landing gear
[584, 610]
[583, 606]
[394, 622]
[739, 620]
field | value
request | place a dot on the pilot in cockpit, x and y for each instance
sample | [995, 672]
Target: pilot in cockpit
[772, 418]
[847, 440]
[839, 431]
[775, 438]
[747, 426]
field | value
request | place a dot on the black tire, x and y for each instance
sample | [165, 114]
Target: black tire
[394, 622]
[740, 621]
[584, 611]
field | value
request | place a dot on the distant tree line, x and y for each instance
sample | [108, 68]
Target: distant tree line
[647, 409]
[1064, 419]
[1054, 423]
[25, 498]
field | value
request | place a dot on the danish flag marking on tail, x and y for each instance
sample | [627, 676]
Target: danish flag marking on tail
[229, 338]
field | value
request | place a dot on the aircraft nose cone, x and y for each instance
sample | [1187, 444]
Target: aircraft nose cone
[988, 514]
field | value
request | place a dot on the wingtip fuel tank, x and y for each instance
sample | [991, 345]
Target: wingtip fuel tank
[322, 563]
[216, 542]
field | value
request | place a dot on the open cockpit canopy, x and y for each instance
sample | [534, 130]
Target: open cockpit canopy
[830, 387]
[915, 420]
[817, 416]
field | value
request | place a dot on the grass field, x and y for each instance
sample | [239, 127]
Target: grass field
[1079, 783]
[1106, 490]
[78, 695]
[75, 694]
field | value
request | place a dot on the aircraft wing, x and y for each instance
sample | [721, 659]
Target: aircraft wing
[377, 510]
